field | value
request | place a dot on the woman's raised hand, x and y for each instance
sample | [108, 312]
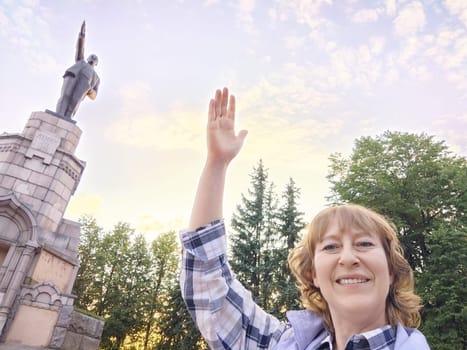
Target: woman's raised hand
[223, 143]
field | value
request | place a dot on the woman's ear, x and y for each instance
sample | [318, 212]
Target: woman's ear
[315, 279]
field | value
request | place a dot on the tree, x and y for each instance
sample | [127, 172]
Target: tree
[291, 223]
[136, 289]
[254, 228]
[164, 279]
[84, 287]
[115, 281]
[442, 286]
[177, 330]
[412, 179]
[263, 235]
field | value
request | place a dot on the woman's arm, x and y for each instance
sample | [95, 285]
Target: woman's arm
[223, 144]
[222, 308]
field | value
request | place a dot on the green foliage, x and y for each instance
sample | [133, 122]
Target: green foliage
[177, 330]
[442, 286]
[88, 252]
[263, 233]
[123, 283]
[410, 178]
[164, 281]
[126, 283]
[290, 224]
[253, 228]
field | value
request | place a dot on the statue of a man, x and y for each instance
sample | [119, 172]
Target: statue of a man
[79, 81]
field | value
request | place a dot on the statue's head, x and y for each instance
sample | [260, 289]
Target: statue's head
[93, 60]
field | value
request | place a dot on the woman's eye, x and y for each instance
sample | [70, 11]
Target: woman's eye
[330, 247]
[365, 244]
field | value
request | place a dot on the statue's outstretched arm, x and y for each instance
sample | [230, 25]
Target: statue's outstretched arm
[80, 43]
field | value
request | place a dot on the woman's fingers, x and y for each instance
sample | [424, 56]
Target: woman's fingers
[212, 111]
[218, 101]
[231, 111]
[222, 105]
[225, 98]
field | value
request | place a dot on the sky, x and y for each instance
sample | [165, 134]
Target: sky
[310, 77]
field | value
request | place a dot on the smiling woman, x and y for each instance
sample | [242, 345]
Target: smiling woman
[351, 270]
[356, 286]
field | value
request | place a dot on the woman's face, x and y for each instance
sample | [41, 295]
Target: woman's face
[351, 271]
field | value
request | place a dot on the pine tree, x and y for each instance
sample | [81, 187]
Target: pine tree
[291, 224]
[254, 229]
[268, 265]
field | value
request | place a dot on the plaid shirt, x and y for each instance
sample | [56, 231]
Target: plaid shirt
[383, 338]
[224, 310]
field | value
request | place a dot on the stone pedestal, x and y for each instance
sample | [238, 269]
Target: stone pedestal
[38, 247]
[39, 167]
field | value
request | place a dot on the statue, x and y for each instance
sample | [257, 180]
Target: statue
[79, 81]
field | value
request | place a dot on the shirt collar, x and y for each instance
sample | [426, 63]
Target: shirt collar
[374, 339]
[326, 344]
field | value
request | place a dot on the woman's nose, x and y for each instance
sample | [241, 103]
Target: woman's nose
[348, 256]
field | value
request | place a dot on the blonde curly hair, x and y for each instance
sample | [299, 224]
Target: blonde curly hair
[402, 304]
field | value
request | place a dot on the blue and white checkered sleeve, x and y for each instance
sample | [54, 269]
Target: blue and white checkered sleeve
[222, 308]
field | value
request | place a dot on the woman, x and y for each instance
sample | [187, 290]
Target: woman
[356, 286]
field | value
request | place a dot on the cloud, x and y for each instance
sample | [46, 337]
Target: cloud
[446, 48]
[140, 125]
[25, 27]
[458, 8]
[282, 141]
[366, 15]
[458, 78]
[135, 94]
[411, 48]
[410, 20]
[447, 128]
[293, 42]
[377, 44]
[351, 67]
[4, 22]
[175, 130]
[290, 119]
[245, 9]
[390, 7]
[458, 55]
[293, 91]
[303, 11]
[208, 3]
[288, 129]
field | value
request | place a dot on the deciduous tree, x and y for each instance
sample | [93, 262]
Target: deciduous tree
[443, 288]
[412, 179]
